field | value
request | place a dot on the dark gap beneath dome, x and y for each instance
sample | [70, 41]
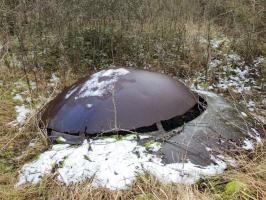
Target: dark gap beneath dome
[178, 121]
[144, 129]
[167, 125]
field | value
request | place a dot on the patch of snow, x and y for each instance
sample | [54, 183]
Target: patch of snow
[243, 114]
[210, 87]
[71, 92]
[233, 57]
[22, 112]
[248, 144]
[28, 99]
[144, 137]
[241, 73]
[34, 171]
[186, 173]
[258, 61]
[229, 70]
[130, 137]
[215, 43]
[251, 104]
[208, 148]
[154, 147]
[223, 86]
[97, 87]
[215, 63]
[54, 80]
[32, 144]
[206, 93]
[113, 72]
[257, 136]
[88, 105]
[111, 163]
[33, 85]
[228, 160]
[18, 97]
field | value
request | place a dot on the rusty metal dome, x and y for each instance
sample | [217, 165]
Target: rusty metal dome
[120, 99]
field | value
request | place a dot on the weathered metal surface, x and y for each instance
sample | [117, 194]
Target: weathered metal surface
[123, 99]
[219, 129]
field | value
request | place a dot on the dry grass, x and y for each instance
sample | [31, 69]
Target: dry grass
[38, 28]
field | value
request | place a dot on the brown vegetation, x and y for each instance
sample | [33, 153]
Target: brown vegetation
[73, 38]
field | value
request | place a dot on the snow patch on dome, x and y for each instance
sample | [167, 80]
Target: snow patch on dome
[99, 84]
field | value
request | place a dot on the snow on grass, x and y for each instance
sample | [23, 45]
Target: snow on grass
[208, 148]
[230, 161]
[111, 163]
[32, 144]
[251, 105]
[229, 70]
[243, 114]
[215, 44]
[54, 80]
[215, 63]
[218, 42]
[259, 61]
[248, 144]
[22, 112]
[153, 146]
[206, 93]
[233, 57]
[18, 97]
[257, 136]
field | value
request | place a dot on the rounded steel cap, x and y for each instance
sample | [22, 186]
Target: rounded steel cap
[120, 98]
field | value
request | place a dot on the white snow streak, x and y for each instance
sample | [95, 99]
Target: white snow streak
[248, 144]
[22, 112]
[100, 83]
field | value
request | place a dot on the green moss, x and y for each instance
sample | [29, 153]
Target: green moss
[60, 140]
[117, 137]
[204, 85]
[134, 136]
[123, 137]
[87, 158]
[236, 189]
[150, 144]
[61, 164]
[5, 166]
[8, 152]
[213, 184]
[233, 189]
